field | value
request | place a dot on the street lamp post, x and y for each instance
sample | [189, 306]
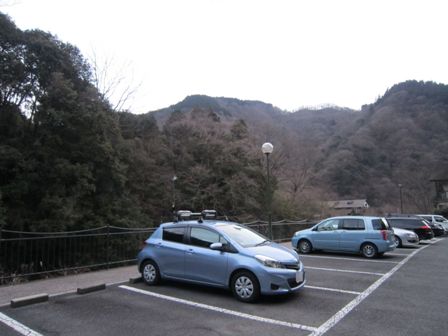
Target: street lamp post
[400, 186]
[173, 206]
[267, 149]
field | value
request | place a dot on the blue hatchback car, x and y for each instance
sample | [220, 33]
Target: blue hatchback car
[221, 254]
[370, 236]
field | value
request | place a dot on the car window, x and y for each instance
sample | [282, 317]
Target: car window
[393, 222]
[440, 219]
[404, 223]
[428, 218]
[204, 238]
[353, 224]
[329, 225]
[175, 234]
[382, 224]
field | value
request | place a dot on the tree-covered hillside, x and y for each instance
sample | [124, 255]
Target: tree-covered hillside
[400, 139]
[68, 161]
[335, 153]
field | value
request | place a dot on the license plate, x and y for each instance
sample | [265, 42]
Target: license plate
[299, 276]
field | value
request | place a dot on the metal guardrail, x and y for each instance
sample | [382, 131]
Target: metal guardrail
[35, 255]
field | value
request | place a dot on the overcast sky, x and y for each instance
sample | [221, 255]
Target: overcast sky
[290, 53]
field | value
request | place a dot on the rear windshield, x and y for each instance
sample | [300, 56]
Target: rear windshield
[380, 224]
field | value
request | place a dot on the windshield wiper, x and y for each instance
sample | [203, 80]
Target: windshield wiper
[263, 242]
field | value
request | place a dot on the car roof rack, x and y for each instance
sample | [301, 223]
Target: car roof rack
[184, 215]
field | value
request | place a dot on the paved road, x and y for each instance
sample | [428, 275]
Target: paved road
[403, 293]
[413, 301]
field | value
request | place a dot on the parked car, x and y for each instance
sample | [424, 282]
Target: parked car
[221, 254]
[370, 236]
[436, 228]
[437, 220]
[405, 238]
[418, 225]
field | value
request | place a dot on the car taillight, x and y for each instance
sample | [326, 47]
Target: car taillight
[384, 234]
[425, 227]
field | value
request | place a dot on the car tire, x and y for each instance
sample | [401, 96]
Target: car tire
[398, 242]
[369, 250]
[304, 246]
[245, 286]
[150, 273]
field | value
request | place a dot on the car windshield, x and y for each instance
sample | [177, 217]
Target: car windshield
[243, 236]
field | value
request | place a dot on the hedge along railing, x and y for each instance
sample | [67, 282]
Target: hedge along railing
[34, 255]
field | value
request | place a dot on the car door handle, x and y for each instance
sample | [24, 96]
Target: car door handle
[159, 245]
[190, 251]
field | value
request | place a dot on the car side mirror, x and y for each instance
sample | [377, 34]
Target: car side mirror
[216, 246]
[314, 229]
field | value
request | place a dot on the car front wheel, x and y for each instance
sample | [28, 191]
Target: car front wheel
[369, 250]
[245, 286]
[304, 246]
[150, 273]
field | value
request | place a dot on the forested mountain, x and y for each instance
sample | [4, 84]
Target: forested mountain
[69, 161]
[335, 153]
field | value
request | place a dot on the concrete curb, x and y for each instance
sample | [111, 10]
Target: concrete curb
[28, 300]
[91, 289]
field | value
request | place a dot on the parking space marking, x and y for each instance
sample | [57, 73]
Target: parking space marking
[399, 254]
[17, 326]
[221, 310]
[334, 290]
[330, 323]
[351, 259]
[344, 271]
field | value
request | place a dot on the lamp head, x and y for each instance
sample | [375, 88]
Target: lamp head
[267, 148]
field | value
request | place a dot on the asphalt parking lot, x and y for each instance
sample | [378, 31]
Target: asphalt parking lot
[403, 293]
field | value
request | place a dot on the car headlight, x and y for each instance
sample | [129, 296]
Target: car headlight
[269, 262]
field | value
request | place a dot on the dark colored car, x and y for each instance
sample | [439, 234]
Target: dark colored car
[418, 225]
[436, 228]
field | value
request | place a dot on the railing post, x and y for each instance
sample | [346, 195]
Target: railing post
[107, 246]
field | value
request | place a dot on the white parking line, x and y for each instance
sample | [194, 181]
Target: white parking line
[17, 326]
[350, 259]
[399, 254]
[344, 271]
[221, 310]
[330, 323]
[334, 290]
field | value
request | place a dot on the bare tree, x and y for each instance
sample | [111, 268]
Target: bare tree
[114, 83]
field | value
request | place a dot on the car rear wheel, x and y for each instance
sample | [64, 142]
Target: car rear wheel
[150, 273]
[397, 241]
[245, 286]
[304, 246]
[369, 250]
